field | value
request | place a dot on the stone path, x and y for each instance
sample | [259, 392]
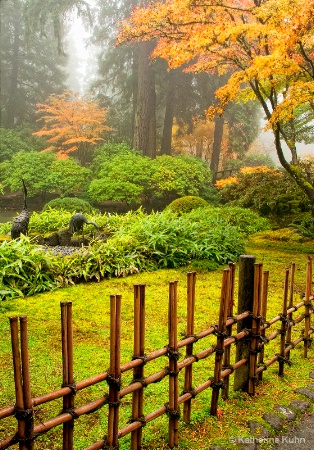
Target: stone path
[300, 434]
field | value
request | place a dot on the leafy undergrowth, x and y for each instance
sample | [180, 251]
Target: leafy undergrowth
[91, 354]
[128, 244]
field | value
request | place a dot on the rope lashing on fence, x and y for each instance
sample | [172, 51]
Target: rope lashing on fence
[173, 354]
[216, 384]
[22, 414]
[219, 333]
[141, 419]
[186, 336]
[113, 382]
[283, 359]
[109, 447]
[143, 358]
[172, 413]
[72, 386]
[308, 340]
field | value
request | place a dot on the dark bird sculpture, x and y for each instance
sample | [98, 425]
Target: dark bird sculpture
[77, 221]
[20, 223]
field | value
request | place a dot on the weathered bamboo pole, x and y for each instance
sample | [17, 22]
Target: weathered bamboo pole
[290, 304]
[17, 368]
[263, 318]
[111, 374]
[136, 353]
[173, 410]
[138, 372]
[307, 304]
[283, 328]
[256, 319]
[224, 299]
[70, 371]
[188, 375]
[117, 372]
[65, 372]
[226, 361]
[27, 396]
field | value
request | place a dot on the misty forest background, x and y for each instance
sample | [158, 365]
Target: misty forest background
[151, 109]
[157, 112]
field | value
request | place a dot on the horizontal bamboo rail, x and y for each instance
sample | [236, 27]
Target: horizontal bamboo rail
[28, 431]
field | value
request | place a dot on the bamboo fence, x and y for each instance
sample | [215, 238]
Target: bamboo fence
[23, 409]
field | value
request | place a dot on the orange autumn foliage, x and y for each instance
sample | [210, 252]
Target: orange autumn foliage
[269, 45]
[71, 122]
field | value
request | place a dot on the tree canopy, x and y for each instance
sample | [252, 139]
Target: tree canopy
[72, 123]
[267, 46]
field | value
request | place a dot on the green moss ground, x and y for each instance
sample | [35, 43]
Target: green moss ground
[91, 352]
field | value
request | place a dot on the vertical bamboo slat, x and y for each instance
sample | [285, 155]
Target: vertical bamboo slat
[290, 304]
[111, 374]
[307, 320]
[17, 368]
[263, 318]
[117, 372]
[27, 397]
[256, 319]
[139, 349]
[283, 328]
[226, 361]
[173, 410]
[67, 427]
[188, 376]
[224, 300]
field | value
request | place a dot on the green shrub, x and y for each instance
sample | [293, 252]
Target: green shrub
[186, 204]
[71, 205]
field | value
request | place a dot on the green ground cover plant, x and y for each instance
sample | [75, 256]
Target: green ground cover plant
[132, 243]
[91, 352]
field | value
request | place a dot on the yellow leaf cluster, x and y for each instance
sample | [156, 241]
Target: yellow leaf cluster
[220, 184]
[268, 45]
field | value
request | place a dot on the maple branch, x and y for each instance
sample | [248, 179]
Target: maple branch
[306, 57]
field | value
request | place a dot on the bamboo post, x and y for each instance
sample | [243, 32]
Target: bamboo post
[307, 304]
[19, 400]
[113, 378]
[226, 361]
[117, 371]
[283, 328]
[263, 318]
[245, 303]
[221, 331]
[191, 281]
[290, 304]
[138, 372]
[67, 368]
[173, 408]
[111, 369]
[27, 397]
[256, 319]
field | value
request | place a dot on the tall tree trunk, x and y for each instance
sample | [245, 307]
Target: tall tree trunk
[9, 121]
[218, 133]
[166, 142]
[144, 136]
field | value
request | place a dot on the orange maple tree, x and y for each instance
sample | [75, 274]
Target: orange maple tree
[267, 46]
[72, 124]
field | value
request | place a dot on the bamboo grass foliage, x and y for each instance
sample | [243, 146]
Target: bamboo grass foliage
[135, 242]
